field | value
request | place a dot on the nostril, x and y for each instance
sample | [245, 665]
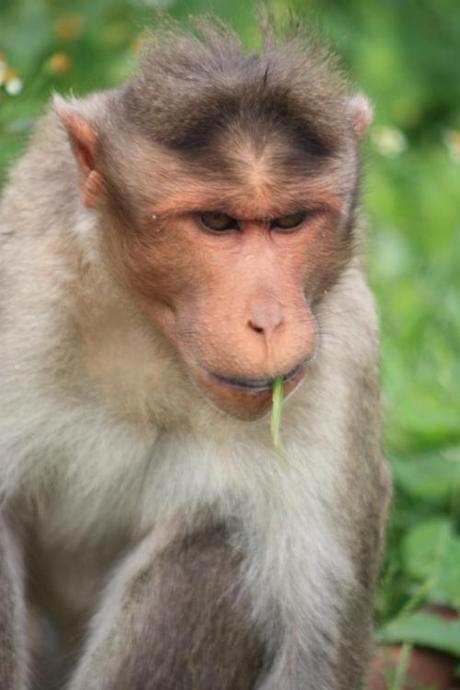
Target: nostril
[265, 318]
[257, 329]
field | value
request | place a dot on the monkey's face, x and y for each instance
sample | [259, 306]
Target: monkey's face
[232, 276]
[228, 188]
[229, 245]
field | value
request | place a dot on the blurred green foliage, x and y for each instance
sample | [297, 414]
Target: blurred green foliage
[405, 54]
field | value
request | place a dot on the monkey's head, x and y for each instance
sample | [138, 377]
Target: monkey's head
[226, 182]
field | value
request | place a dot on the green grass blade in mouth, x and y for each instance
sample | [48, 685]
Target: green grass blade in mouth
[277, 397]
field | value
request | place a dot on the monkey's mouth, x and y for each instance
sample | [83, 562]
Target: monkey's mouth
[245, 398]
[257, 385]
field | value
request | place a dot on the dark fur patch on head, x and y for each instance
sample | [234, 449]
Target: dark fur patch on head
[191, 89]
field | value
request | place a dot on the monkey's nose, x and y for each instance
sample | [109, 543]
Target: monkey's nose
[266, 318]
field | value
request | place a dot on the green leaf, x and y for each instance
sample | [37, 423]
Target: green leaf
[425, 630]
[434, 477]
[431, 551]
[278, 396]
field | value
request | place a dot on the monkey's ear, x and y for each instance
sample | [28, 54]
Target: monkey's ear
[84, 141]
[361, 113]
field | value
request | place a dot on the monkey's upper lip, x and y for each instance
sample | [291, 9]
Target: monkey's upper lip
[256, 385]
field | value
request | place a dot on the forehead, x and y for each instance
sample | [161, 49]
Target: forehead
[259, 191]
[245, 176]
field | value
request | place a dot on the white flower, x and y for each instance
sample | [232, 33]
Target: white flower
[452, 141]
[13, 86]
[389, 141]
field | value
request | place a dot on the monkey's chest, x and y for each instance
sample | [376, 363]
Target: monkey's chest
[96, 503]
[75, 536]
[66, 576]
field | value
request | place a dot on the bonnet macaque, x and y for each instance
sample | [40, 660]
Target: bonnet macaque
[168, 249]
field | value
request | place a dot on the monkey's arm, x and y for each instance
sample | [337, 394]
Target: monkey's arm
[13, 663]
[320, 616]
[174, 619]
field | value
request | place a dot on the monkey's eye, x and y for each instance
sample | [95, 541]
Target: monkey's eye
[214, 220]
[289, 222]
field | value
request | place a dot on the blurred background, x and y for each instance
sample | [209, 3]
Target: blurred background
[405, 55]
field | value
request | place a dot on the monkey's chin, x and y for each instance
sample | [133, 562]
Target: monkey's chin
[245, 399]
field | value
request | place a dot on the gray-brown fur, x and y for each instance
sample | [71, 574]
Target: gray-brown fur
[13, 654]
[161, 536]
[191, 87]
[188, 614]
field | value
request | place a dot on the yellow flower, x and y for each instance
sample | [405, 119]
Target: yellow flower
[59, 63]
[69, 26]
[10, 74]
[3, 70]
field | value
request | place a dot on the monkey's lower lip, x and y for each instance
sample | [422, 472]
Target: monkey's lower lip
[256, 385]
